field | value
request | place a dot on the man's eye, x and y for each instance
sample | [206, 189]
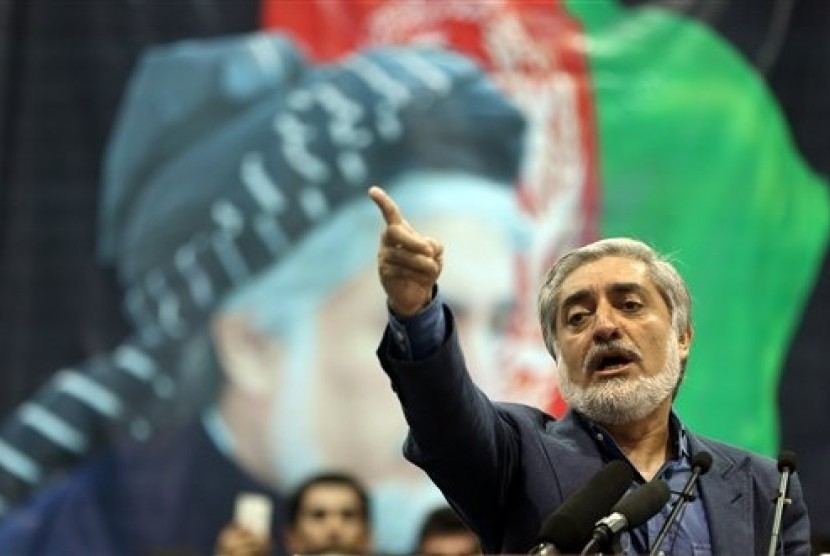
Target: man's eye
[632, 305]
[319, 514]
[575, 319]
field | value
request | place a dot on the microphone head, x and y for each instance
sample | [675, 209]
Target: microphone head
[702, 461]
[786, 461]
[643, 502]
[570, 526]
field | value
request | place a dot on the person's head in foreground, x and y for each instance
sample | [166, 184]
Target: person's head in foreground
[444, 534]
[616, 316]
[329, 514]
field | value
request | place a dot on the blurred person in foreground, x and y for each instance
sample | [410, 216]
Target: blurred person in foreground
[234, 212]
[328, 513]
[616, 316]
[443, 533]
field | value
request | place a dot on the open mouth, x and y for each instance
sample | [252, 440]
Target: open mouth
[611, 360]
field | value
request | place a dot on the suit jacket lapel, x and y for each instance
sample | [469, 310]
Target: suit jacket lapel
[582, 458]
[727, 497]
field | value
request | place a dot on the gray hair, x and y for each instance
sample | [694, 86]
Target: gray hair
[669, 283]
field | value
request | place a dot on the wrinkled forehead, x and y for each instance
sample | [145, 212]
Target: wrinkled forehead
[608, 273]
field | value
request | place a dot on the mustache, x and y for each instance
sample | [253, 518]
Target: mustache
[599, 352]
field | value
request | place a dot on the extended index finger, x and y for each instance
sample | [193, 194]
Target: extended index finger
[391, 212]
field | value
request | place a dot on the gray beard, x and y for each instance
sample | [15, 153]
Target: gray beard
[620, 400]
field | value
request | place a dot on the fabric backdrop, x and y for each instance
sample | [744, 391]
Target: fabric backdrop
[699, 127]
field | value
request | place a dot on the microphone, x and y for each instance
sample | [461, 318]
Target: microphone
[570, 526]
[786, 465]
[701, 462]
[632, 511]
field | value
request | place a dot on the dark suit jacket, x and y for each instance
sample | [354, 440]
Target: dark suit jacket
[505, 467]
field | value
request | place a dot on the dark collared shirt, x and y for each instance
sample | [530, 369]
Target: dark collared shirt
[419, 336]
[689, 535]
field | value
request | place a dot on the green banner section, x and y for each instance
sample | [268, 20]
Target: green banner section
[696, 159]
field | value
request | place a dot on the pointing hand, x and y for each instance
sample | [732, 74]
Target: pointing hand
[408, 263]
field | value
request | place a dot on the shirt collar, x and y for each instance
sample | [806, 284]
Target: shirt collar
[610, 450]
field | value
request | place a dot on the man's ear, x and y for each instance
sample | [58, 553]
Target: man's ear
[684, 342]
[250, 359]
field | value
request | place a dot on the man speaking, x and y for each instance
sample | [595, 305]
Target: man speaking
[616, 317]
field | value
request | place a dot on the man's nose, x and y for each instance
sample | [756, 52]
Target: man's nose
[606, 327]
[335, 521]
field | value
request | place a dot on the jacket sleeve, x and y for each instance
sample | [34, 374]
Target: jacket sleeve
[457, 435]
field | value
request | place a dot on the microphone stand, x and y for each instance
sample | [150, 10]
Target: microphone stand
[611, 546]
[780, 501]
[683, 498]
[701, 462]
[607, 536]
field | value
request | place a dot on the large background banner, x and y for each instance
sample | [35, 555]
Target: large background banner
[188, 300]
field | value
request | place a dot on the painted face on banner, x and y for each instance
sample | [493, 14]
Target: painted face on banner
[352, 410]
